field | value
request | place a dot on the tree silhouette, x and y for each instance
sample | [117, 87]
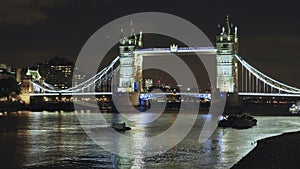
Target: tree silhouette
[8, 87]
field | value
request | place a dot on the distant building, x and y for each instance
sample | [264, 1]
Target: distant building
[7, 72]
[148, 83]
[57, 72]
[79, 77]
[63, 65]
[34, 74]
[19, 75]
[26, 86]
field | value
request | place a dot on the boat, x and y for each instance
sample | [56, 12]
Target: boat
[120, 126]
[295, 108]
[238, 121]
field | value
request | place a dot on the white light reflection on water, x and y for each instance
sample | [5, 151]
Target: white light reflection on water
[44, 139]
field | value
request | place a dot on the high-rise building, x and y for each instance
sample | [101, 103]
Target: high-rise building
[63, 65]
[57, 72]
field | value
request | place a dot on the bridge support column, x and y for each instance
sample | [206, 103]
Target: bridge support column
[233, 104]
[144, 103]
[135, 98]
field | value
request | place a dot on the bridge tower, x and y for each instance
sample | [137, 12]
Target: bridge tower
[130, 79]
[227, 67]
[227, 47]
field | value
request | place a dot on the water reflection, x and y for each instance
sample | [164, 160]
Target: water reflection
[56, 139]
[13, 140]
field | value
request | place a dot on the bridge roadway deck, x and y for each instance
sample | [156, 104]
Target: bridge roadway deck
[153, 95]
[142, 95]
[269, 94]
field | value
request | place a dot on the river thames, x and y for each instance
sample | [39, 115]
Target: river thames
[56, 140]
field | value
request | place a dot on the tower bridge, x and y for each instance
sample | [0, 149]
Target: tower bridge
[234, 75]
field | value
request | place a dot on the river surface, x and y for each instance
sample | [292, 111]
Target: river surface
[57, 140]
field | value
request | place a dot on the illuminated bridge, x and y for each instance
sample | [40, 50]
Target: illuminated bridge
[254, 82]
[234, 74]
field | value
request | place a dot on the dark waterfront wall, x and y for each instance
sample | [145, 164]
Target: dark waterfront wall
[233, 104]
[254, 109]
[246, 106]
[268, 109]
[265, 106]
[273, 153]
[12, 106]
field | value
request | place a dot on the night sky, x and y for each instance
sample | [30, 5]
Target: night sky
[33, 31]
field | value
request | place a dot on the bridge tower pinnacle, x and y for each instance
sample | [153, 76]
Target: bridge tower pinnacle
[227, 47]
[130, 64]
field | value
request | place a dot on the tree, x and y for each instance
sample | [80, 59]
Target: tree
[8, 87]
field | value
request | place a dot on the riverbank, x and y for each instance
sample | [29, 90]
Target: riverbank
[278, 152]
[9, 106]
[253, 109]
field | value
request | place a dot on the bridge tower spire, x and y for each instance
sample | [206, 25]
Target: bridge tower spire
[130, 79]
[227, 47]
[228, 25]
